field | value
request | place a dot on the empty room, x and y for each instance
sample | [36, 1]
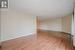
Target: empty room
[37, 24]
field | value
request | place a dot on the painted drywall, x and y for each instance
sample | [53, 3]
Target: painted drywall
[0, 29]
[73, 28]
[67, 23]
[54, 24]
[16, 24]
[62, 24]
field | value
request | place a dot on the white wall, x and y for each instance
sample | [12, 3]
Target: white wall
[67, 23]
[0, 29]
[73, 28]
[62, 24]
[54, 24]
[16, 24]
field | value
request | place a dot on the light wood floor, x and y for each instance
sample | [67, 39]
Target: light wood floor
[44, 40]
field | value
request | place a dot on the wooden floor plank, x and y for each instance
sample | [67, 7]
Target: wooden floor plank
[44, 40]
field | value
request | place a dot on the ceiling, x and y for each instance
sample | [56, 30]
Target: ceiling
[43, 8]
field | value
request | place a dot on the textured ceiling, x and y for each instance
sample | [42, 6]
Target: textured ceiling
[43, 8]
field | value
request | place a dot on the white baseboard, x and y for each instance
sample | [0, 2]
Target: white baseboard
[16, 37]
